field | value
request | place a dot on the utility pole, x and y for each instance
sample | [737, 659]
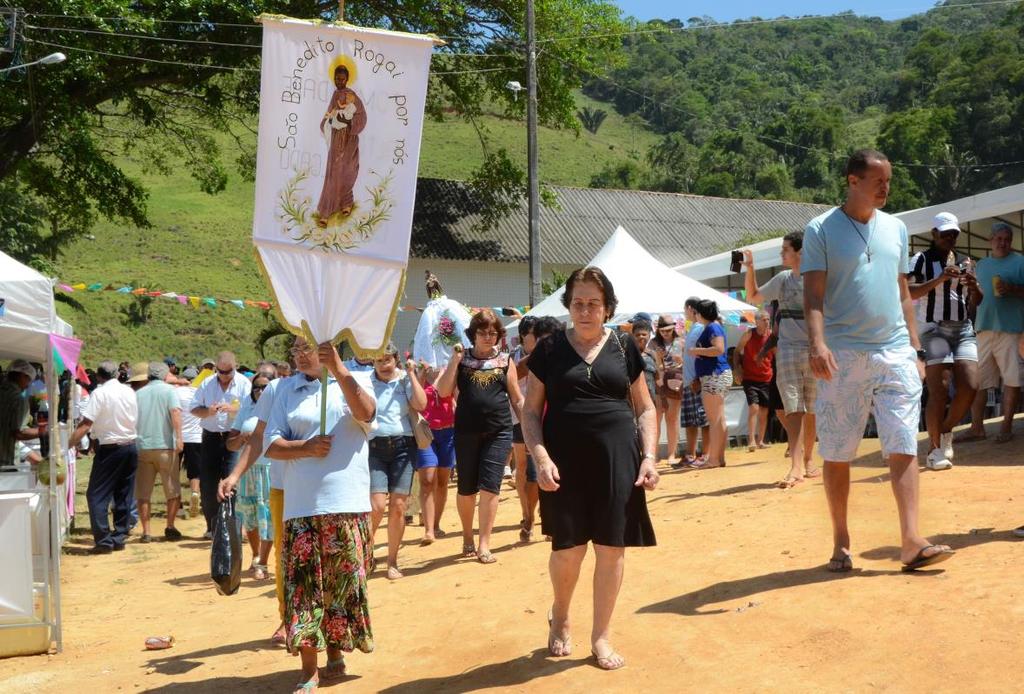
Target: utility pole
[341, 11]
[533, 196]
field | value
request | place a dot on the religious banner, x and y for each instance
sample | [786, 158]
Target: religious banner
[341, 116]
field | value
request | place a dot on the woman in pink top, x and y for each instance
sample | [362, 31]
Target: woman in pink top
[435, 464]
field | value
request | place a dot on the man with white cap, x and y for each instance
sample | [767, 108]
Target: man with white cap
[112, 413]
[1000, 322]
[14, 410]
[942, 287]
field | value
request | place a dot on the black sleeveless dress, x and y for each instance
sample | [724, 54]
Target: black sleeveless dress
[590, 434]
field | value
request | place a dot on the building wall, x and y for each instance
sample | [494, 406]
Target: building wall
[474, 283]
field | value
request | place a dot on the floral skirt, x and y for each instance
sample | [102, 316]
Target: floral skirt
[327, 561]
[253, 505]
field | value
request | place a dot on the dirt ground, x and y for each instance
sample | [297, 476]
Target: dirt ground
[733, 598]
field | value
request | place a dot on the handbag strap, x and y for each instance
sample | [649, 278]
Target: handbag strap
[625, 365]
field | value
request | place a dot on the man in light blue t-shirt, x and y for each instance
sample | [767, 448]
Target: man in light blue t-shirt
[1000, 322]
[863, 347]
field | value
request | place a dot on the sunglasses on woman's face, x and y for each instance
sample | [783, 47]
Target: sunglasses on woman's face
[666, 330]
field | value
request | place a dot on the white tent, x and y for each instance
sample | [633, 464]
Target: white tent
[982, 209]
[642, 283]
[27, 318]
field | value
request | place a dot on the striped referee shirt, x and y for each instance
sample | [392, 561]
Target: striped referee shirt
[945, 301]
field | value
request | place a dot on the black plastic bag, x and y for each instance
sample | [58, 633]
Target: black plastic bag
[226, 553]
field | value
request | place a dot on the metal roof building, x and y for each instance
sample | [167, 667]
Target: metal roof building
[675, 228]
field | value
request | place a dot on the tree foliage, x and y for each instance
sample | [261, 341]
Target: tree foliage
[771, 110]
[64, 127]
[592, 118]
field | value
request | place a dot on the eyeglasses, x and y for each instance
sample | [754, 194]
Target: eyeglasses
[258, 387]
[225, 372]
[667, 329]
[300, 351]
[487, 333]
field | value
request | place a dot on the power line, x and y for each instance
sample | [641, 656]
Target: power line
[167, 39]
[94, 18]
[222, 67]
[142, 36]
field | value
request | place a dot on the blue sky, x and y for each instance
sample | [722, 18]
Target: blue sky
[728, 10]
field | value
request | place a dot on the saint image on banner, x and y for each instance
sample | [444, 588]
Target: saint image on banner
[341, 125]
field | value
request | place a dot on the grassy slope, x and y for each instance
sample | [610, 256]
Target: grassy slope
[200, 244]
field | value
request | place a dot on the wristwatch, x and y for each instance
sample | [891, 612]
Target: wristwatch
[649, 455]
[922, 355]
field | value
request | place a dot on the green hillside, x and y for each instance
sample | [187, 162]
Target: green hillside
[200, 245]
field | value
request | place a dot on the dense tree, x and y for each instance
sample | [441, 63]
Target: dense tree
[62, 128]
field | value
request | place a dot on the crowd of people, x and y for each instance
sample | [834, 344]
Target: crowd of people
[854, 328]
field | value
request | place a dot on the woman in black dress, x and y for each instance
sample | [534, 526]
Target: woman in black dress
[594, 460]
[488, 385]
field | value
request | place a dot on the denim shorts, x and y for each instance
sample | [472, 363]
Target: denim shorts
[391, 459]
[440, 452]
[480, 460]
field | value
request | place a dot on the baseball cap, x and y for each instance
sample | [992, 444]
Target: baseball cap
[21, 366]
[1001, 226]
[946, 221]
[158, 370]
[170, 361]
[641, 316]
[190, 372]
[139, 372]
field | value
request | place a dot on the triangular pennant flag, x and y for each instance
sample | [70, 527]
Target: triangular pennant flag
[65, 353]
[239, 303]
[124, 290]
[183, 300]
[81, 375]
[169, 295]
[194, 300]
[139, 292]
[153, 294]
[95, 287]
[80, 286]
[210, 302]
[66, 287]
[263, 305]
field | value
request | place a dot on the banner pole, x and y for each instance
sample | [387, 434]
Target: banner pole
[323, 402]
[341, 10]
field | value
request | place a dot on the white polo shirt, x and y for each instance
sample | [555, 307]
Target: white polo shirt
[114, 413]
[211, 392]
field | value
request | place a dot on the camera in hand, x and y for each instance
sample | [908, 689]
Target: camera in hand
[737, 261]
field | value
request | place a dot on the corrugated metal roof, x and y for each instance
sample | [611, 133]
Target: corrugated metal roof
[675, 228]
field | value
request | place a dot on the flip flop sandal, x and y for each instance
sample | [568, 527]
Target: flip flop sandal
[307, 687]
[789, 482]
[159, 643]
[468, 550]
[816, 472]
[606, 662]
[921, 560]
[840, 565]
[486, 558]
[564, 643]
[334, 670]
[426, 541]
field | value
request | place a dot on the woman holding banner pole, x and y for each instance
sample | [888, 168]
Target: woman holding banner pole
[327, 546]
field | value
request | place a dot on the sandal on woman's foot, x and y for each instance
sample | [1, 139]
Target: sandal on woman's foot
[813, 472]
[558, 646]
[788, 482]
[260, 572]
[394, 574]
[307, 687]
[334, 670]
[610, 661]
[525, 535]
[840, 565]
[427, 540]
[485, 557]
[468, 550]
[280, 636]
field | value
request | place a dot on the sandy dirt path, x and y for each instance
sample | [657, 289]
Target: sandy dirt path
[733, 598]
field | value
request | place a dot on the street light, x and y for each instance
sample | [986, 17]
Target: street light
[45, 60]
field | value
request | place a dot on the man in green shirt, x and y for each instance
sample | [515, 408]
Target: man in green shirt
[1000, 323]
[14, 410]
[160, 442]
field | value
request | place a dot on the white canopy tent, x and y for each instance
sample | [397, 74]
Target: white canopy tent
[31, 519]
[975, 212]
[642, 283]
